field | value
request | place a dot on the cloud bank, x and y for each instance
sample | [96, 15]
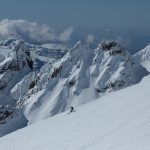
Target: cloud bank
[124, 41]
[32, 32]
[90, 38]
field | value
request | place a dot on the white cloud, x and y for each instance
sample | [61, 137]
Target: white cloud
[31, 32]
[123, 41]
[65, 36]
[90, 38]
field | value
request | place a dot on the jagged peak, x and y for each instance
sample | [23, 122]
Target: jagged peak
[112, 47]
[108, 44]
[80, 50]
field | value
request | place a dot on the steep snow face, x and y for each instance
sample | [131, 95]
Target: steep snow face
[115, 68]
[18, 59]
[20, 62]
[118, 121]
[80, 76]
[15, 63]
[143, 57]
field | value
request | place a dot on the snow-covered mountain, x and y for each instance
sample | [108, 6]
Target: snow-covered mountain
[82, 75]
[118, 121]
[15, 63]
[143, 57]
[18, 59]
[39, 82]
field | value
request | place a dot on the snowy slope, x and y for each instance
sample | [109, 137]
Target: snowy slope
[82, 75]
[118, 121]
[143, 57]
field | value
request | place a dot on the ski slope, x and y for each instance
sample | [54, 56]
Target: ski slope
[117, 121]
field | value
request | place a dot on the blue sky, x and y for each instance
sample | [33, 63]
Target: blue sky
[126, 21]
[133, 14]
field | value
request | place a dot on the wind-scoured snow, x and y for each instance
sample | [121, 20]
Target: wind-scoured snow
[118, 121]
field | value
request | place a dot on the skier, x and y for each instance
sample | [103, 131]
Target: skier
[71, 109]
